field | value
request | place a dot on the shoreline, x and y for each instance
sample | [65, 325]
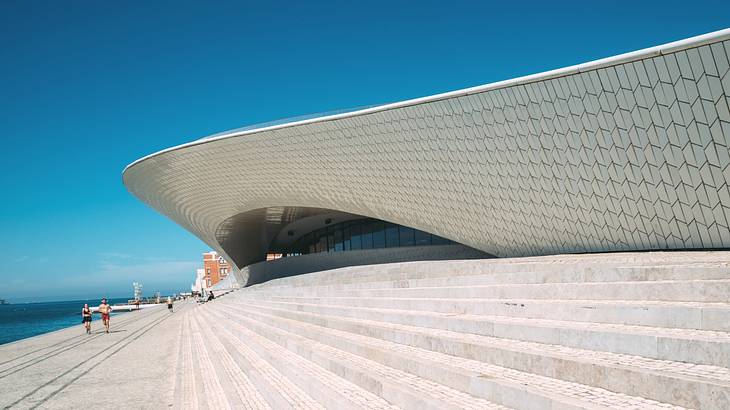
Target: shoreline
[64, 322]
[65, 363]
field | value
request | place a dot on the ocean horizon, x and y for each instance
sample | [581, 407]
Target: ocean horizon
[23, 320]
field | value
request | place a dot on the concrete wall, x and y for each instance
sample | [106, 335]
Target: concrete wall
[229, 282]
[296, 265]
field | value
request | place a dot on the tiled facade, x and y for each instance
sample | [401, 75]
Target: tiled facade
[629, 154]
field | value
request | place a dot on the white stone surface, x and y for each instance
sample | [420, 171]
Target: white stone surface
[266, 348]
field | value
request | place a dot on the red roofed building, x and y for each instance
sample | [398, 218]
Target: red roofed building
[216, 268]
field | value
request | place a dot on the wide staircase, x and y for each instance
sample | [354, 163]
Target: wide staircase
[630, 330]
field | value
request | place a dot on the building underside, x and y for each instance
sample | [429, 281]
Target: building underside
[627, 153]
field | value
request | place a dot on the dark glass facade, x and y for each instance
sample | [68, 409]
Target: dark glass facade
[362, 234]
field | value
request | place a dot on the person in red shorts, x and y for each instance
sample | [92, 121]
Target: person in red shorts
[105, 310]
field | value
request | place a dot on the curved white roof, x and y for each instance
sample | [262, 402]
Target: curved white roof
[628, 152]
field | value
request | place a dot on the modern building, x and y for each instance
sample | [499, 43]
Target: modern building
[630, 152]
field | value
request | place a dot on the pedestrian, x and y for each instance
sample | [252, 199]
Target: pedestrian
[169, 304]
[105, 310]
[136, 303]
[211, 296]
[86, 318]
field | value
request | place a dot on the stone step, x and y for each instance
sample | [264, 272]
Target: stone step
[476, 277]
[680, 315]
[400, 388]
[186, 378]
[237, 388]
[683, 384]
[593, 267]
[510, 387]
[683, 345]
[252, 377]
[330, 390]
[191, 394]
[212, 394]
[676, 290]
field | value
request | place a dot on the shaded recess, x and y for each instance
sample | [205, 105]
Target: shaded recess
[293, 231]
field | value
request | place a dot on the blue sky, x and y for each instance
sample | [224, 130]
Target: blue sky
[87, 87]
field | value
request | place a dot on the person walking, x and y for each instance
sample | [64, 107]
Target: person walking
[86, 318]
[105, 310]
[169, 304]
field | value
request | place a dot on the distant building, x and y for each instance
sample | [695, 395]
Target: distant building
[199, 284]
[216, 268]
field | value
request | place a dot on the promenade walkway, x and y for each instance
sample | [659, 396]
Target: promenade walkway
[131, 367]
[636, 331]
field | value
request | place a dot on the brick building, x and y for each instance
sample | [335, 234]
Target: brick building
[216, 268]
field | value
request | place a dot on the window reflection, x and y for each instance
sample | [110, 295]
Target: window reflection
[391, 236]
[422, 238]
[356, 237]
[362, 234]
[367, 236]
[406, 236]
[378, 229]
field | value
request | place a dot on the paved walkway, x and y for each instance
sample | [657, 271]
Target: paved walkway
[132, 367]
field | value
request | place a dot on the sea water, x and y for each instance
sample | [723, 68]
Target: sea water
[22, 320]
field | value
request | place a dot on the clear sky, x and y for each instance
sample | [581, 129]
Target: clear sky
[86, 87]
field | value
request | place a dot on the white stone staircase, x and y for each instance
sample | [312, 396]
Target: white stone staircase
[637, 330]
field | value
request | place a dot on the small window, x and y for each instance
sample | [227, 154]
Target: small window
[391, 236]
[322, 244]
[339, 242]
[378, 234]
[406, 236]
[330, 239]
[367, 236]
[355, 237]
[422, 238]
[346, 238]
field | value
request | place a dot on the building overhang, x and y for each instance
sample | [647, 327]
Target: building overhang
[617, 154]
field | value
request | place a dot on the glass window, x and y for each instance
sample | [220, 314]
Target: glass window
[330, 239]
[437, 240]
[378, 234]
[406, 236]
[359, 234]
[391, 235]
[422, 238]
[300, 245]
[367, 235]
[339, 246]
[355, 236]
[346, 237]
[322, 244]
